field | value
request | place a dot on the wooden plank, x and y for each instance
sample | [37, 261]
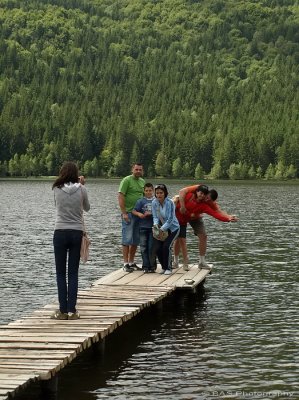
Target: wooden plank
[117, 274]
[43, 375]
[129, 277]
[42, 346]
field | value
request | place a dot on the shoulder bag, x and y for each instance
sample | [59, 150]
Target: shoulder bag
[85, 243]
[157, 233]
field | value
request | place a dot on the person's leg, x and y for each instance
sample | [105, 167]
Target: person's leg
[184, 253]
[150, 242]
[75, 238]
[127, 234]
[143, 235]
[199, 230]
[134, 241]
[125, 254]
[202, 244]
[157, 252]
[132, 252]
[60, 251]
[176, 252]
[166, 251]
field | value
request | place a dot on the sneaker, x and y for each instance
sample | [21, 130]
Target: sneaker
[127, 268]
[167, 272]
[135, 267]
[145, 270]
[204, 265]
[175, 265]
[162, 271]
[185, 267]
[73, 315]
[59, 315]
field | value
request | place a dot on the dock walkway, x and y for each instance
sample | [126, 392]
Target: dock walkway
[36, 347]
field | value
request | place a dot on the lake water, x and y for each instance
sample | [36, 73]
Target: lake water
[236, 340]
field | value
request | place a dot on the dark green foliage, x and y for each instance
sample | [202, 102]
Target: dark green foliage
[185, 86]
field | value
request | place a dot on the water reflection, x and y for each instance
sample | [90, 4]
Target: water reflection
[241, 337]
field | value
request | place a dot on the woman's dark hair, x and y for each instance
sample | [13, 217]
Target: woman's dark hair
[68, 173]
[163, 187]
[203, 188]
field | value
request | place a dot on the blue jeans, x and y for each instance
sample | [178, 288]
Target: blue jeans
[130, 231]
[67, 244]
[146, 247]
[163, 249]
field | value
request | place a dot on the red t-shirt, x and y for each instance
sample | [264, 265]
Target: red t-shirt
[195, 208]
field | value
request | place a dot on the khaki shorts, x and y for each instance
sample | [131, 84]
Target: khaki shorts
[198, 226]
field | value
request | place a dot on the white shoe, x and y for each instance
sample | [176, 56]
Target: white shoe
[186, 267]
[167, 272]
[175, 265]
[162, 271]
[204, 265]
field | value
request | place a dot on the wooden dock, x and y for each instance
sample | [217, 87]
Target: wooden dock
[36, 348]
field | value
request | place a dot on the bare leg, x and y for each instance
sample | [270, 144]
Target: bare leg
[184, 253]
[176, 248]
[126, 254]
[202, 244]
[131, 253]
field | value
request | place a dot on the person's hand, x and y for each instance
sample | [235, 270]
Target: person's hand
[234, 218]
[183, 209]
[82, 179]
[126, 217]
[161, 234]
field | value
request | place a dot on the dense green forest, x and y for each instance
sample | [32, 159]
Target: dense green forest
[188, 87]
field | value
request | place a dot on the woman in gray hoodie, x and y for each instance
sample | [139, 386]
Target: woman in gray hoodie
[70, 199]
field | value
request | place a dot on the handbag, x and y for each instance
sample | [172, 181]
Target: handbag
[85, 242]
[157, 233]
[84, 251]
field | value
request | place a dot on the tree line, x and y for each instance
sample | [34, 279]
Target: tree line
[189, 88]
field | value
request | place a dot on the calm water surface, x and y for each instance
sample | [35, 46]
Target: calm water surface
[237, 340]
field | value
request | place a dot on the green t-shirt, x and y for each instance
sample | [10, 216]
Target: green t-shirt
[132, 188]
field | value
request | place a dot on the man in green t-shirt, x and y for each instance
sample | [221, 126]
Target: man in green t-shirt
[130, 190]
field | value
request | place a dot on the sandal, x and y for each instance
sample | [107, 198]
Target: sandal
[59, 315]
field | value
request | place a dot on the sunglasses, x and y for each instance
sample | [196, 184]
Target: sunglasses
[161, 186]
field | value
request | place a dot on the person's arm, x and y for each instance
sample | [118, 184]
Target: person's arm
[221, 217]
[170, 215]
[215, 206]
[86, 204]
[122, 206]
[137, 210]
[182, 196]
[154, 212]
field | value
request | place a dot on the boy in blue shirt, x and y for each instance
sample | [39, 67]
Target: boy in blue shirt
[143, 210]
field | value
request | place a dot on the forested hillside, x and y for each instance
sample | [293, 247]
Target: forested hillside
[188, 87]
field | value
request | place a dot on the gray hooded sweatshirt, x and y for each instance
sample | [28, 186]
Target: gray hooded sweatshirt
[69, 200]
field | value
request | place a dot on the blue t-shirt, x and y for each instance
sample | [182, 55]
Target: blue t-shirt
[142, 206]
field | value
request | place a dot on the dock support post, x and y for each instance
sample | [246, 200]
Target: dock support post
[99, 350]
[49, 388]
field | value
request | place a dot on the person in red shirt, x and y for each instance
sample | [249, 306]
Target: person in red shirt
[193, 201]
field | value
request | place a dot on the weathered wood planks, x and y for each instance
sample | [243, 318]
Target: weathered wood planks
[37, 347]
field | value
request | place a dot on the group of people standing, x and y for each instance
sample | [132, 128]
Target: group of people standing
[145, 207]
